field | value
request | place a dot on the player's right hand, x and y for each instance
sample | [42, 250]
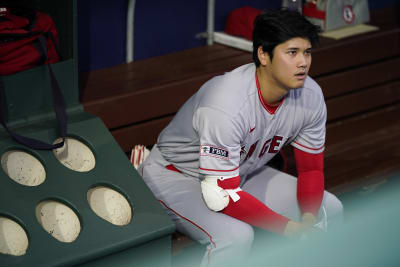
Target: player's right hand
[308, 219]
[293, 228]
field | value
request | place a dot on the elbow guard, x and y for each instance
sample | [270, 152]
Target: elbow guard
[216, 197]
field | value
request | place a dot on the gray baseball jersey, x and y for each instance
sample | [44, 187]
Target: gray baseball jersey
[227, 129]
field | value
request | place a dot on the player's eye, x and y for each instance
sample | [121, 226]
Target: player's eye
[292, 52]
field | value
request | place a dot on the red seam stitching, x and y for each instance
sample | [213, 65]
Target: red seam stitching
[204, 231]
[209, 236]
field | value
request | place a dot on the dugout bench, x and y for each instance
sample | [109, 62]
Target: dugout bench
[359, 76]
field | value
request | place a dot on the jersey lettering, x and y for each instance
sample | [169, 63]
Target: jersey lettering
[275, 144]
[264, 148]
[251, 150]
[243, 151]
[271, 145]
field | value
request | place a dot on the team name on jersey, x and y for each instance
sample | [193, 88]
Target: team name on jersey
[212, 151]
[272, 145]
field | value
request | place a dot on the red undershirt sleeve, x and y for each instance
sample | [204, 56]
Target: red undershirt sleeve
[251, 210]
[254, 212]
[310, 182]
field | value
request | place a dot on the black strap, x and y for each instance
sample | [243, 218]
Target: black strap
[41, 46]
[59, 107]
[55, 44]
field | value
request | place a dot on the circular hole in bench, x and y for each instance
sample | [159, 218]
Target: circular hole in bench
[23, 168]
[75, 155]
[110, 205]
[13, 238]
[59, 220]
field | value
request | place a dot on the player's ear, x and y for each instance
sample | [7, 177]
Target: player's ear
[263, 57]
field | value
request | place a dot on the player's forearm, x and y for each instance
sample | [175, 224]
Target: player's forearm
[310, 181]
[224, 194]
[310, 191]
[254, 212]
[249, 209]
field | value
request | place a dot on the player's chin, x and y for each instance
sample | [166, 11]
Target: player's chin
[299, 81]
[297, 84]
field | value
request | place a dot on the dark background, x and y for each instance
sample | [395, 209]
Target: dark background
[160, 27]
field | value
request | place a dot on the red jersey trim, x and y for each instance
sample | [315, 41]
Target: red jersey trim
[308, 147]
[270, 109]
[172, 168]
[219, 170]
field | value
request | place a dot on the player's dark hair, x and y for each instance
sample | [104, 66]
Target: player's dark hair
[273, 27]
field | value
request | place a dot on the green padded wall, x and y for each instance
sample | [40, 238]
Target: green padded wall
[27, 104]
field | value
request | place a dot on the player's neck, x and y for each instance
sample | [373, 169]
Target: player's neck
[271, 91]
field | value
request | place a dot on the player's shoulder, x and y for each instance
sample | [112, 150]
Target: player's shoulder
[310, 85]
[230, 91]
[236, 80]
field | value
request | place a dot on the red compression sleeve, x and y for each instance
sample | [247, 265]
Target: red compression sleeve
[310, 182]
[251, 210]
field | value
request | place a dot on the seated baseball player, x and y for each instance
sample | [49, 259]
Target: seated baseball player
[208, 168]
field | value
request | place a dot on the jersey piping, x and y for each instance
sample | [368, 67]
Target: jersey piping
[316, 149]
[219, 170]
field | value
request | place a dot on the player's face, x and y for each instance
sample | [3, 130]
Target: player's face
[291, 62]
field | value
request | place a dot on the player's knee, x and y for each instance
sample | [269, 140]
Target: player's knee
[239, 235]
[231, 245]
[334, 207]
[244, 235]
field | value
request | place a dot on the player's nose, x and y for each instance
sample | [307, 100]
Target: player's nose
[302, 61]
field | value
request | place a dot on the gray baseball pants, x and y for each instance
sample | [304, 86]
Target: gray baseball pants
[225, 237]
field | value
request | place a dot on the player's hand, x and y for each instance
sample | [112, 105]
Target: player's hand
[308, 220]
[293, 228]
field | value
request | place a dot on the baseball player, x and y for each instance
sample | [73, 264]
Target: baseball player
[208, 168]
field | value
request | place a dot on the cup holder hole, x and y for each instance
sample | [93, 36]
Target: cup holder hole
[13, 238]
[23, 168]
[110, 205]
[75, 155]
[59, 220]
